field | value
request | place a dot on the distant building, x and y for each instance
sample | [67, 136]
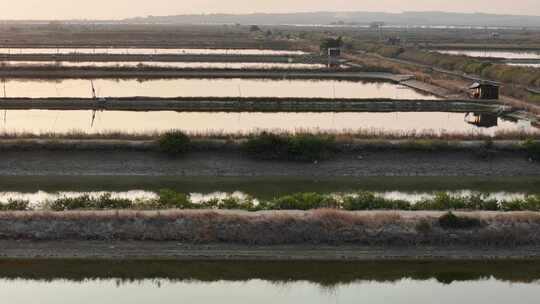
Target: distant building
[334, 52]
[334, 57]
[484, 90]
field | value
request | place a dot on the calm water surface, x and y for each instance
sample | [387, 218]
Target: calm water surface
[211, 87]
[206, 65]
[493, 54]
[487, 291]
[43, 121]
[146, 281]
[531, 65]
[145, 51]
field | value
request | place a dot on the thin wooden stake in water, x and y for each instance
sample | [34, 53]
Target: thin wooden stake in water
[94, 97]
[5, 96]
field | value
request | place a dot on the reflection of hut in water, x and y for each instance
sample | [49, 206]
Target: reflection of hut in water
[482, 120]
[484, 90]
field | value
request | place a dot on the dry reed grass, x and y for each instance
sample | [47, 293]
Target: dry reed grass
[272, 228]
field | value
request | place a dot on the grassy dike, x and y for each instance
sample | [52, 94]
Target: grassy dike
[319, 227]
[304, 219]
[270, 155]
[265, 146]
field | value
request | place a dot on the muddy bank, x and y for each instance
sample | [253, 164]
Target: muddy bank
[213, 104]
[233, 163]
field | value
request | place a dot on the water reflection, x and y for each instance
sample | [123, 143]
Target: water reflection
[57, 281]
[493, 54]
[211, 87]
[45, 121]
[145, 51]
[206, 65]
[256, 291]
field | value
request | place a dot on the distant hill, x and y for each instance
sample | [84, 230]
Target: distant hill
[326, 18]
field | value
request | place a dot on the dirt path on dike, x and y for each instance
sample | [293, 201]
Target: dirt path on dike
[234, 163]
[179, 251]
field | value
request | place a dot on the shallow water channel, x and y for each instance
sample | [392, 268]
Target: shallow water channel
[179, 65]
[60, 121]
[530, 65]
[38, 190]
[145, 51]
[493, 54]
[60, 281]
[211, 88]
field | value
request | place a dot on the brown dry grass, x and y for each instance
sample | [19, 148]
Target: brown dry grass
[272, 228]
[341, 135]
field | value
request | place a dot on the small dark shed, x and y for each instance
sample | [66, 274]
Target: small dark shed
[334, 52]
[484, 90]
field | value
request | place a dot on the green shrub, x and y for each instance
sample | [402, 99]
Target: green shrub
[170, 199]
[15, 205]
[481, 202]
[533, 149]
[451, 221]
[328, 43]
[529, 203]
[308, 147]
[70, 203]
[86, 202]
[441, 201]
[235, 203]
[301, 201]
[266, 146]
[300, 147]
[174, 142]
[368, 201]
[106, 201]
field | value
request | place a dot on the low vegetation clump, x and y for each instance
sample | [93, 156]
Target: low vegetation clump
[369, 201]
[533, 149]
[87, 202]
[174, 142]
[452, 221]
[360, 201]
[301, 201]
[329, 43]
[15, 205]
[445, 201]
[298, 147]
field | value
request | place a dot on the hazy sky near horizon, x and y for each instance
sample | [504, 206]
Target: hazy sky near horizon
[115, 9]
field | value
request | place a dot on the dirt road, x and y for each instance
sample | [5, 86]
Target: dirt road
[231, 163]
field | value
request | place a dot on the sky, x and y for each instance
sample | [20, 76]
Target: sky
[117, 9]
